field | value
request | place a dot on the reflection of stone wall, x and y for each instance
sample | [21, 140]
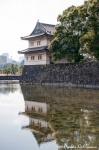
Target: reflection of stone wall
[51, 95]
[78, 74]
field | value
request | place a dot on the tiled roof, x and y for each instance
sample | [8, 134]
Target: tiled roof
[43, 27]
[34, 35]
[40, 29]
[31, 36]
[49, 27]
[30, 50]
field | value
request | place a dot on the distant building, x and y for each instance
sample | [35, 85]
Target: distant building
[21, 58]
[3, 60]
[37, 52]
[7, 55]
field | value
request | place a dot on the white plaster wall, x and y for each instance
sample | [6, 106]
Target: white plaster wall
[37, 106]
[45, 59]
[43, 42]
[64, 60]
[48, 57]
[45, 56]
[49, 39]
[37, 122]
[48, 42]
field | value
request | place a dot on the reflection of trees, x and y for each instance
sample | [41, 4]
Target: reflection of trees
[72, 114]
[74, 126]
[7, 88]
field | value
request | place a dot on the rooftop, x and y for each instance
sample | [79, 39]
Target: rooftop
[29, 50]
[40, 29]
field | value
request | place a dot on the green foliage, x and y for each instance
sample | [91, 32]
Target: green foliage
[77, 32]
[20, 68]
[90, 40]
[12, 69]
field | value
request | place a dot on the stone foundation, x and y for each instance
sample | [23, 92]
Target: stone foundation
[70, 74]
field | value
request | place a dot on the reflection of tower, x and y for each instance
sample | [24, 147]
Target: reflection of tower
[38, 111]
[37, 107]
[38, 121]
[35, 111]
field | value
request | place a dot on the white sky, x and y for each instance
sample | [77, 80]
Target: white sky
[18, 18]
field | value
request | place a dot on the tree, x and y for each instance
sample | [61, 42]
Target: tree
[20, 68]
[67, 34]
[5, 69]
[77, 32]
[90, 40]
[0, 71]
[12, 69]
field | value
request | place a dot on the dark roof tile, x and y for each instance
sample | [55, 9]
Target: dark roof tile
[36, 49]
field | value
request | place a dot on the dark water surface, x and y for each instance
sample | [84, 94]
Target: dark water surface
[48, 118]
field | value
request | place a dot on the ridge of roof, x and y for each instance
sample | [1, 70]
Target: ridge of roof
[37, 24]
[44, 26]
[47, 24]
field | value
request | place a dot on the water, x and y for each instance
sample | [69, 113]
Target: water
[48, 118]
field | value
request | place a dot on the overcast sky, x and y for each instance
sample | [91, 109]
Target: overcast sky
[18, 18]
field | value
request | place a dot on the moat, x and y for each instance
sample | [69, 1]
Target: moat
[35, 117]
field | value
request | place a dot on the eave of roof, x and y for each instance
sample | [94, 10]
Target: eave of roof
[32, 36]
[36, 49]
[35, 35]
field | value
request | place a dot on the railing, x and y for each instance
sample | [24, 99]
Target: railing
[10, 77]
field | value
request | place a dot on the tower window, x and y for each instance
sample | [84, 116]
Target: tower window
[38, 42]
[32, 43]
[39, 57]
[32, 57]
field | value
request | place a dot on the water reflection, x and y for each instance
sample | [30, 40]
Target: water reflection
[8, 88]
[69, 116]
[11, 135]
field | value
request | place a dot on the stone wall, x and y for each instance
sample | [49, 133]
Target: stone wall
[69, 74]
